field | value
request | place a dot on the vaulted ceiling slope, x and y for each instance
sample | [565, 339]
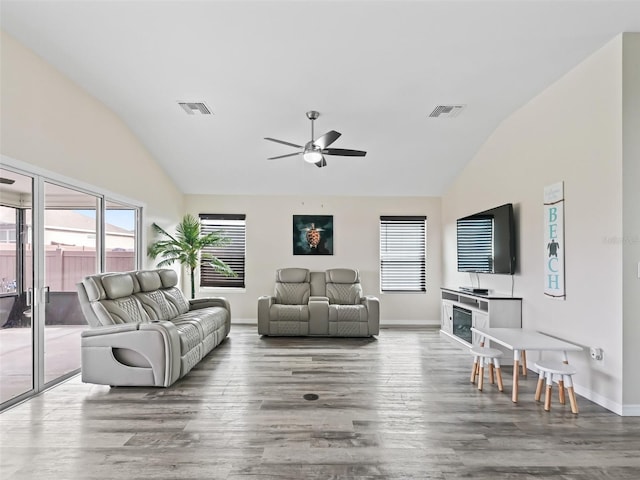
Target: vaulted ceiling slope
[374, 70]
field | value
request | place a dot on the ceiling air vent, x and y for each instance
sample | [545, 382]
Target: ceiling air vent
[195, 107]
[446, 111]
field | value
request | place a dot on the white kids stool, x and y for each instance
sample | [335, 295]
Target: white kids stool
[562, 373]
[481, 357]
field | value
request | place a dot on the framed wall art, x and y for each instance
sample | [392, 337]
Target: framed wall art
[313, 234]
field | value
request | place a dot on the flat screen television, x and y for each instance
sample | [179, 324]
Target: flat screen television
[486, 241]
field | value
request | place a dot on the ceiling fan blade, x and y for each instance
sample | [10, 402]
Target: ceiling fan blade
[344, 152]
[284, 156]
[283, 142]
[327, 139]
[321, 163]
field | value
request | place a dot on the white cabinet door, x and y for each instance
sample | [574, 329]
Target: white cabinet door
[479, 320]
[446, 322]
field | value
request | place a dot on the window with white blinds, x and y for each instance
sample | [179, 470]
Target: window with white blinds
[233, 253]
[403, 253]
[475, 244]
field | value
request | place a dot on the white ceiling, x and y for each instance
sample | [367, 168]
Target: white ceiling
[374, 70]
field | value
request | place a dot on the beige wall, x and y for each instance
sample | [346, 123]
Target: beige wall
[571, 132]
[49, 122]
[356, 245]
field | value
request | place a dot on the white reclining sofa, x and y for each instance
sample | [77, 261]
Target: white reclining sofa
[329, 303]
[144, 332]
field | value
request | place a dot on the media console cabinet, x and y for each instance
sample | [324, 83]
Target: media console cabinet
[462, 309]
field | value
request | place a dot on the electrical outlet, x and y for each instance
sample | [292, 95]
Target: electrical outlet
[596, 353]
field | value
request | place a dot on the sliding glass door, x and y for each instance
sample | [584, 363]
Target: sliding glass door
[120, 236]
[70, 254]
[17, 339]
[52, 235]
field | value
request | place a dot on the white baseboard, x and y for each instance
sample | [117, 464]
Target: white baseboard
[612, 406]
[631, 410]
[244, 321]
[383, 323]
[409, 323]
[615, 407]
[605, 402]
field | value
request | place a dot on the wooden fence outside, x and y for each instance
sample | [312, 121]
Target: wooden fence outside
[64, 267]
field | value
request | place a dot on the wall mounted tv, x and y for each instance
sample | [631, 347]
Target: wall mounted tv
[486, 241]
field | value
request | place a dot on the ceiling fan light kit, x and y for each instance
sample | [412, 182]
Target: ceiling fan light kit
[312, 155]
[315, 150]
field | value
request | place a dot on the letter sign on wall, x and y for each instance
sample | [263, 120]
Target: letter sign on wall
[554, 246]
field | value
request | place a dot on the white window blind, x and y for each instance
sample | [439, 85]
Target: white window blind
[475, 244]
[233, 253]
[403, 257]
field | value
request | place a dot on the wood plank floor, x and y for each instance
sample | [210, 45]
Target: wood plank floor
[399, 407]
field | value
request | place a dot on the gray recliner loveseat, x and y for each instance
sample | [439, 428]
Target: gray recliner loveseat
[144, 332]
[329, 303]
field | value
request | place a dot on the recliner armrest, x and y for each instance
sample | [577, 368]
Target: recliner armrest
[264, 305]
[109, 329]
[158, 342]
[319, 315]
[373, 313]
[197, 303]
[270, 299]
[318, 299]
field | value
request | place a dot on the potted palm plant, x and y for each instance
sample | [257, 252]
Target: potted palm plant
[186, 247]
